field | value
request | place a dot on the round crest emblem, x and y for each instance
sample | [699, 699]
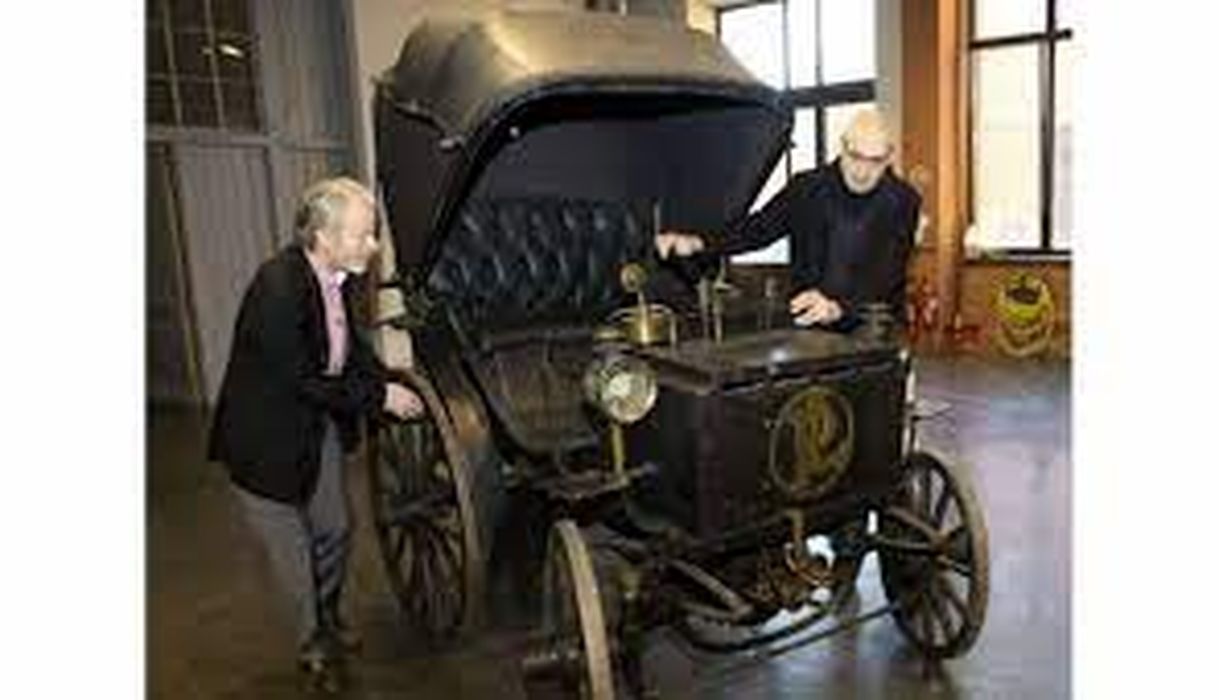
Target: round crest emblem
[812, 440]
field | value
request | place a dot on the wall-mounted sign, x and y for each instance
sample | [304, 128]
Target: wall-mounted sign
[1025, 310]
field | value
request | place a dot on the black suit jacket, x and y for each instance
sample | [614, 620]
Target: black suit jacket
[269, 420]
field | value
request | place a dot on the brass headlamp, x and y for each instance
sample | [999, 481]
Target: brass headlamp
[624, 389]
[621, 386]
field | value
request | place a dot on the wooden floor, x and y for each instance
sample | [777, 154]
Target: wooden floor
[215, 632]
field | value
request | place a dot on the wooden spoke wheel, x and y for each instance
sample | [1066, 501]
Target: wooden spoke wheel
[573, 618]
[424, 518]
[934, 557]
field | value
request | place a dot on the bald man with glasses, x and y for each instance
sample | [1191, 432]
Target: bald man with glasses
[851, 226]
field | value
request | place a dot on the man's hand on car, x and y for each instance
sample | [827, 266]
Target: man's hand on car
[812, 307]
[402, 402]
[677, 243]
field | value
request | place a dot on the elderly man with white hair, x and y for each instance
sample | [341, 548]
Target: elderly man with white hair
[850, 224]
[298, 380]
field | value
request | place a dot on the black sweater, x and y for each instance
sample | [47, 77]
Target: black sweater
[854, 248]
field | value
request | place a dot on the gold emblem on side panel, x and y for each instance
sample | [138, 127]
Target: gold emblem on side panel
[812, 440]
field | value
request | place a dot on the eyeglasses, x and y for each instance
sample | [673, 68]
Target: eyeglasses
[870, 160]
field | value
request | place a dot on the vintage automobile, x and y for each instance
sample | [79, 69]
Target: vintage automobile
[704, 464]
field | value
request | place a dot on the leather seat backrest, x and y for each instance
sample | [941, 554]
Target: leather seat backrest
[513, 263]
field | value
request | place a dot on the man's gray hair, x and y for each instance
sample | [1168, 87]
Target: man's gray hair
[323, 203]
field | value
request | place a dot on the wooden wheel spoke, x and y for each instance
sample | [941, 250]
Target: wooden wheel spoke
[924, 506]
[399, 463]
[388, 475]
[415, 434]
[397, 545]
[939, 611]
[429, 507]
[941, 506]
[450, 525]
[951, 595]
[414, 478]
[425, 442]
[911, 520]
[444, 596]
[419, 581]
[956, 542]
[434, 549]
[956, 566]
[450, 549]
[441, 603]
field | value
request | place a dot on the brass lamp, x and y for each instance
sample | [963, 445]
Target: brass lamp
[623, 388]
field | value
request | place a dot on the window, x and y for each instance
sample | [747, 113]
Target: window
[1021, 67]
[822, 54]
[200, 69]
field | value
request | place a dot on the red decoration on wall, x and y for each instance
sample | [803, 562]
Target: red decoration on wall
[964, 336]
[922, 309]
[923, 314]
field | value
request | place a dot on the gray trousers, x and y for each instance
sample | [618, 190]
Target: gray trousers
[308, 546]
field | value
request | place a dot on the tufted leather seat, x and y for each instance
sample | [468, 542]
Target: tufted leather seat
[514, 263]
[525, 278]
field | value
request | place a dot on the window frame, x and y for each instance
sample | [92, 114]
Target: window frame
[1047, 41]
[818, 97]
[215, 80]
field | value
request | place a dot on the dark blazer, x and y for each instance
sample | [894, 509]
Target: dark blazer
[269, 420]
[854, 248]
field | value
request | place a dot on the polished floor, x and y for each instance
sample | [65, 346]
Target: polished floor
[214, 630]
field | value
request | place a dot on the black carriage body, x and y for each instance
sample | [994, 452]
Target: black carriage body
[709, 437]
[523, 159]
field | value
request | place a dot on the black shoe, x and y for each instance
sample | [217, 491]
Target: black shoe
[323, 677]
[322, 670]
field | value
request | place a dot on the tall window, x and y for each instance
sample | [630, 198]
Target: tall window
[822, 54]
[200, 69]
[1022, 63]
